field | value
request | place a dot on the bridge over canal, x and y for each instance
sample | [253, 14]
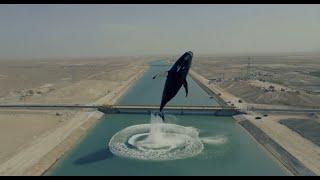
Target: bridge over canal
[135, 109]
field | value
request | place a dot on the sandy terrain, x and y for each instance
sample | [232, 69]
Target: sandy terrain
[301, 148]
[304, 150]
[297, 75]
[266, 85]
[226, 96]
[17, 126]
[253, 94]
[62, 81]
[32, 140]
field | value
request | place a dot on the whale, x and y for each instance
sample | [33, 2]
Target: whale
[176, 77]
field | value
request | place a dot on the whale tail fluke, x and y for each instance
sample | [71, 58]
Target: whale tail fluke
[161, 114]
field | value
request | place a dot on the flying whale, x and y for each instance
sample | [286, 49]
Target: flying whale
[176, 78]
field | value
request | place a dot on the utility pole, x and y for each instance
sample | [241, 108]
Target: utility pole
[72, 74]
[248, 68]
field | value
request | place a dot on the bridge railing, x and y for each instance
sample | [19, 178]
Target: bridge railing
[106, 106]
[170, 106]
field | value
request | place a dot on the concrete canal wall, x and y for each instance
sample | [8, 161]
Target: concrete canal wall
[203, 82]
[289, 161]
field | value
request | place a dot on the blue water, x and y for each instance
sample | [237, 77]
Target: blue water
[239, 155]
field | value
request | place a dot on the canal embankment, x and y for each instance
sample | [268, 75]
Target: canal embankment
[292, 163]
[286, 159]
[202, 82]
[47, 149]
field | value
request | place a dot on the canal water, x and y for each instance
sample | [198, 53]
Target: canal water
[228, 149]
[148, 91]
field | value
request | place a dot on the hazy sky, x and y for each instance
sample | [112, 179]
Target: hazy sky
[53, 31]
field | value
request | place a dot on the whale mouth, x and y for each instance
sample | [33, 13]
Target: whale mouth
[190, 53]
[156, 142]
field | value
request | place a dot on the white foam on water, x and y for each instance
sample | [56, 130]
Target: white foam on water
[171, 119]
[215, 140]
[157, 141]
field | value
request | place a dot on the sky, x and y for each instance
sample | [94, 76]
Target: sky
[80, 31]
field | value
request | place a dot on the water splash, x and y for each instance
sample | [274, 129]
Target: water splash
[156, 141]
[215, 140]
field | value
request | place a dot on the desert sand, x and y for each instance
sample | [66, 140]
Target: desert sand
[295, 79]
[19, 126]
[33, 140]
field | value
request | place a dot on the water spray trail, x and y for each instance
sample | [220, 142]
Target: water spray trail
[156, 141]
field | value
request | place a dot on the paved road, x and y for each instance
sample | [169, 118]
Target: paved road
[250, 107]
[141, 109]
[48, 106]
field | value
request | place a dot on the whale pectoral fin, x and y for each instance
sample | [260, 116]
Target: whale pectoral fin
[161, 74]
[185, 85]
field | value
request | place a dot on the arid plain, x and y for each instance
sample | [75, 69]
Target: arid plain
[71, 81]
[286, 82]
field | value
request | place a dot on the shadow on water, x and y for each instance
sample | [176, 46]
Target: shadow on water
[99, 155]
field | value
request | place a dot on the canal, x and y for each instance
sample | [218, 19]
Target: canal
[228, 150]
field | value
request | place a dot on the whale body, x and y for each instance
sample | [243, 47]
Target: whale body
[176, 78]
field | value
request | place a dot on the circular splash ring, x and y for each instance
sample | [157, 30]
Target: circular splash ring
[172, 142]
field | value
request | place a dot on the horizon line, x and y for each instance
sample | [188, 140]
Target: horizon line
[244, 54]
